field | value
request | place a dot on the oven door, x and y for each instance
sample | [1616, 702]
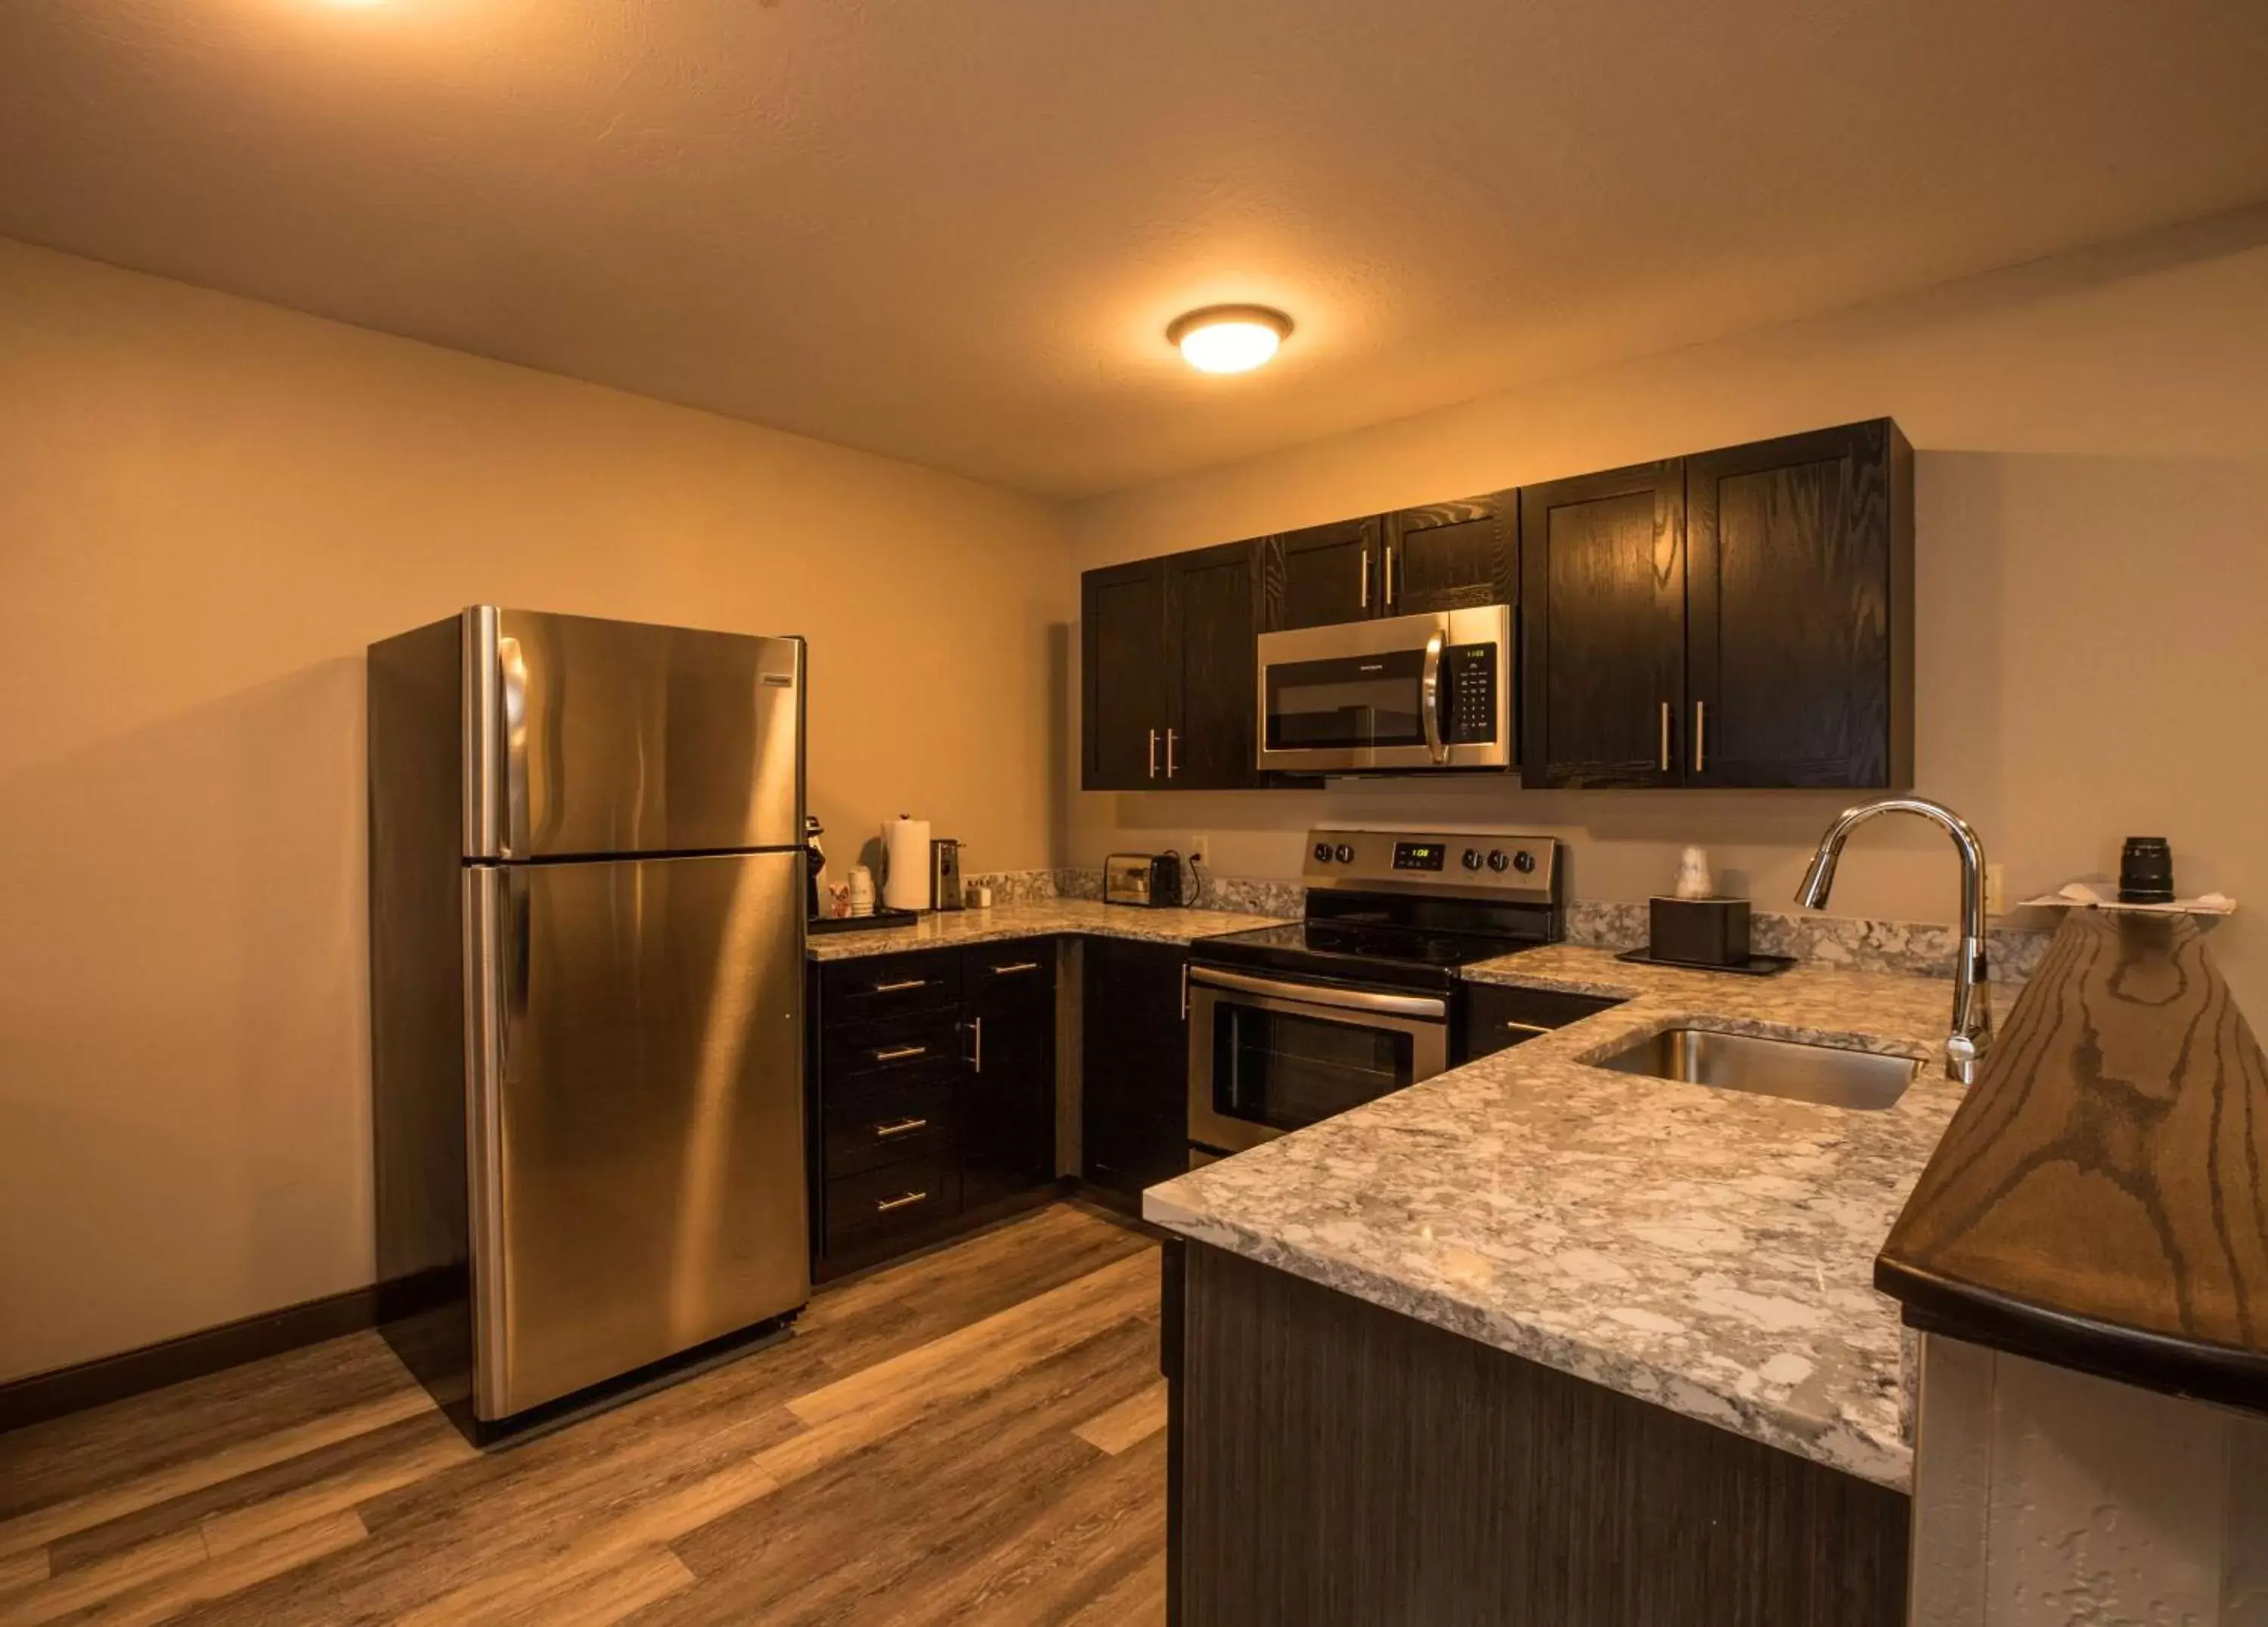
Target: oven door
[1268, 1055]
[1405, 692]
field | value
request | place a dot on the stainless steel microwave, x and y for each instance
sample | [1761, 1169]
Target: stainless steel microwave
[1404, 692]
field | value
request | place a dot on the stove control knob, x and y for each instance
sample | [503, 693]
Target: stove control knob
[1472, 860]
[1345, 854]
[1523, 861]
[1322, 852]
[1498, 859]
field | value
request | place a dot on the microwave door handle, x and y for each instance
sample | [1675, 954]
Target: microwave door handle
[1429, 698]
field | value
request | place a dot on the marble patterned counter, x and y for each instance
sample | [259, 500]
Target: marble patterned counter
[1038, 918]
[1705, 1250]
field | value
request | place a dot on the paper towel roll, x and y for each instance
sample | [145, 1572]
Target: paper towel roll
[905, 860]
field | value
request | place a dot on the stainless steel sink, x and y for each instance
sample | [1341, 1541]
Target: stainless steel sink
[1828, 1075]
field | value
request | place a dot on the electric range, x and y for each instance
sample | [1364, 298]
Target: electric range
[1291, 1024]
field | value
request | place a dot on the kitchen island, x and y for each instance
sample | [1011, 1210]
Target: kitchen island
[1670, 1392]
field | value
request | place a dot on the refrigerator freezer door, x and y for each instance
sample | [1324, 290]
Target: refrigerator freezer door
[586, 737]
[635, 1120]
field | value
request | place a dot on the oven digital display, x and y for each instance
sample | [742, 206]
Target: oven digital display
[1419, 855]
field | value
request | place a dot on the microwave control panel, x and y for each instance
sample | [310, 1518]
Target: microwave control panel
[1468, 694]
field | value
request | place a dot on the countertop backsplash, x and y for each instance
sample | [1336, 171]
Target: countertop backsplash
[1917, 949]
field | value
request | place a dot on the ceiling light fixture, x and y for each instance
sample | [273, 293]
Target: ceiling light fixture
[1228, 339]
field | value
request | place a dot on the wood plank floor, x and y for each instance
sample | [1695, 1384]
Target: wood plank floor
[975, 1436]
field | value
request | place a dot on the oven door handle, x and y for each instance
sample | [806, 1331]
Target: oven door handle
[1312, 994]
[1429, 698]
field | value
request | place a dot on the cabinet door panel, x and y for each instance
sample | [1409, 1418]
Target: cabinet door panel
[1322, 575]
[1006, 1118]
[1795, 563]
[1452, 555]
[1134, 1063]
[1122, 677]
[1603, 618]
[1211, 644]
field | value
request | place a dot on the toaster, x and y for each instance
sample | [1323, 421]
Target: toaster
[1150, 879]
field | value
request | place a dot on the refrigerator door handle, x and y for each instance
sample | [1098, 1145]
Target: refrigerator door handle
[515, 950]
[495, 990]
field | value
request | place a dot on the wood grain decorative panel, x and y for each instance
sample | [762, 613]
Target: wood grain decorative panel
[2101, 1199]
[1339, 1465]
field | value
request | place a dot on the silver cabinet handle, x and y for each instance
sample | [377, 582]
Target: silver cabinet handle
[894, 988]
[1429, 698]
[1365, 578]
[1529, 1027]
[883, 1205]
[902, 1127]
[977, 1043]
[1185, 991]
[1700, 735]
[899, 1053]
[1019, 965]
[1665, 737]
[1387, 576]
[1170, 769]
[1153, 754]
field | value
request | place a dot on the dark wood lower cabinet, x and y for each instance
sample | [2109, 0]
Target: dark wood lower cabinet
[931, 1096]
[1339, 1465]
[1134, 1063]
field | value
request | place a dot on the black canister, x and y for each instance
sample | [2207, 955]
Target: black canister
[2146, 871]
[1698, 931]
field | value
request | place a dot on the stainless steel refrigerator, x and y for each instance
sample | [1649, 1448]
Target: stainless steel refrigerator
[587, 913]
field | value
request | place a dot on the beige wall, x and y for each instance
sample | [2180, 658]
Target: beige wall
[2091, 629]
[207, 508]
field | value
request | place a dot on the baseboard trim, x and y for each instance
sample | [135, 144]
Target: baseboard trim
[43, 1396]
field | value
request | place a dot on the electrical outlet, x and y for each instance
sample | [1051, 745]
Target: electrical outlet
[1996, 890]
[1200, 847]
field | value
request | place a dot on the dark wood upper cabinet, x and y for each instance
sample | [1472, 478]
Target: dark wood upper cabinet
[1323, 575]
[1212, 651]
[1602, 598]
[1799, 611]
[1122, 676]
[1739, 618]
[1452, 555]
[1168, 657]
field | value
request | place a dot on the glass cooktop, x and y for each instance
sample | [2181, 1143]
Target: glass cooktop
[1355, 952]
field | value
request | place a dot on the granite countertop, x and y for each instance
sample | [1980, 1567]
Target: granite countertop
[1042, 918]
[1705, 1250]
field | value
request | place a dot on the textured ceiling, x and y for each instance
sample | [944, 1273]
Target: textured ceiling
[955, 231]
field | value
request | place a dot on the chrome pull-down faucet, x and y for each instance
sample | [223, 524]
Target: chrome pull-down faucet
[1972, 977]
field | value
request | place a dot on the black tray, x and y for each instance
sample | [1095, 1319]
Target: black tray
[1754, 965]
[880, 921]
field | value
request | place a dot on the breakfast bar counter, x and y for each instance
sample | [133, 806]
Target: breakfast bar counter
[1701, 1249]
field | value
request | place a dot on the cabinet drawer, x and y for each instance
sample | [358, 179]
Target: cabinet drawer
[888, 985]
[903, 1197]
[1497, 1016]
[924, 1045]
[866, 1128]
[995, 976]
